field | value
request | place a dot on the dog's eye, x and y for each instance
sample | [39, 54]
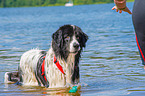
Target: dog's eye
[67, 38]
[77, 37]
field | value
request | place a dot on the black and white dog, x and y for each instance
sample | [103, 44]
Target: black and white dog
[58, 67]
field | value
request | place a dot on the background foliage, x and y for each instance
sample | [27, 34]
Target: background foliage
[35, 3]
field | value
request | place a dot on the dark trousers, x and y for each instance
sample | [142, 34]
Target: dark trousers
[138, 17]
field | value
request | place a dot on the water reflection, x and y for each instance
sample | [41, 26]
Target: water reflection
[33, 90]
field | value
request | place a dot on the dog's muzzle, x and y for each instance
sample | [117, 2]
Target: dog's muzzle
[75, 47]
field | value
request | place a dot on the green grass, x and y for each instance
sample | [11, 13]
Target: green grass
[130, 0]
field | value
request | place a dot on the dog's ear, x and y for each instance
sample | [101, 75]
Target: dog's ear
[84, 39]
[58, 38]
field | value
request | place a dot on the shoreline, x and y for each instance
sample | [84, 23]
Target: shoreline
[61, 4]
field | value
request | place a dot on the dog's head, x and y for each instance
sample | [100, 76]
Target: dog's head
[68, 39]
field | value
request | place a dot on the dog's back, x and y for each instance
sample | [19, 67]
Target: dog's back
[28, 64]
[27, 68]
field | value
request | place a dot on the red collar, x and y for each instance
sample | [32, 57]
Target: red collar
[58, 65]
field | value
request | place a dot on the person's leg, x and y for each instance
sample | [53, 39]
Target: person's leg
[138, 17]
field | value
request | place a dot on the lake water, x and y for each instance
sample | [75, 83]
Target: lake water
[110, 64]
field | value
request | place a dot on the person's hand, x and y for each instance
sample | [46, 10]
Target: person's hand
[144, 67]
[120, 11]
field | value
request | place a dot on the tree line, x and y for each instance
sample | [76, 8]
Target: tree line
[35, 3]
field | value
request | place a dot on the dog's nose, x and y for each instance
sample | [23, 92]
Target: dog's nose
[76, 45]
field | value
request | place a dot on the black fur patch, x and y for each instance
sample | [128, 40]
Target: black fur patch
[38, 73]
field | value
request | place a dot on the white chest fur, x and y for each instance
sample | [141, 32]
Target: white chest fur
[55, 77]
